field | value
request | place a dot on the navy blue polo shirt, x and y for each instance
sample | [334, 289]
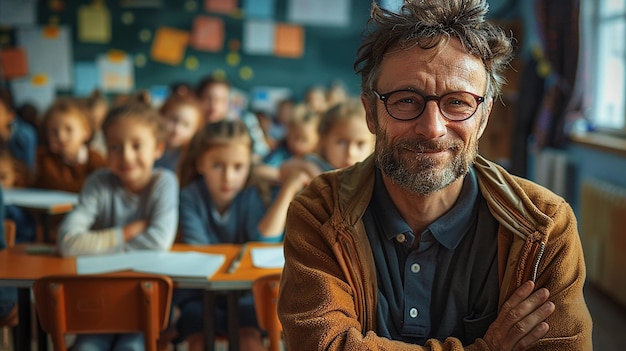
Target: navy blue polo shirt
[448, 284]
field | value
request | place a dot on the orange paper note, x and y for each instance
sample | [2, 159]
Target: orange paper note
[13, 63]
[208, 34]
[221, 6]
[169, 45]
[289, 41]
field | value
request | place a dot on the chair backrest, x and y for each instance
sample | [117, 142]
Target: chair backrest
[265, 291]
[96, 304]
[9, 232]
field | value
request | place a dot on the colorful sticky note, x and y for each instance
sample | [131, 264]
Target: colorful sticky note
[13, 63]
[319, 12]
[87, 78]
[289, 41]
[18, 12]
[94, 24]
[259, 8]
[116, 73]
[221, 6]
[169, 45]
[208, 33]
[258, 37]
[49, 50]
[37, 90]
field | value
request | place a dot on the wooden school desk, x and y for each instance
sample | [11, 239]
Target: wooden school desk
[43, 203]
[20, 268]
[230, 284]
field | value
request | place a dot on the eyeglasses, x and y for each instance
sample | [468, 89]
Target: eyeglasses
[406, 105]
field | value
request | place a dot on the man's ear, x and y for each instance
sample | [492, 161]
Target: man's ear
[369, 114]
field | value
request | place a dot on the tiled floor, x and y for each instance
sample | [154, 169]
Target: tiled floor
[609, 321]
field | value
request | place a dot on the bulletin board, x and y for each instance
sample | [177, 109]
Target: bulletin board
[120, 36]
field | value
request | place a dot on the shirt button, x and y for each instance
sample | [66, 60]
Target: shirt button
[401, 238]
[415, 268]
[413, 312]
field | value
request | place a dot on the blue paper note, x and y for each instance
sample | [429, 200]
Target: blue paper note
[86, 77]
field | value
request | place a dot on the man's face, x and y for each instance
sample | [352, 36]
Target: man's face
[426, 154]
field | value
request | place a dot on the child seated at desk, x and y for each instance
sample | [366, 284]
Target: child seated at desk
[128, 206]
[300, 140]
[65, 160]
[14, 173]
[183, 117]
[8, 295]
[15, 133]
[344, 139]
[217, 206]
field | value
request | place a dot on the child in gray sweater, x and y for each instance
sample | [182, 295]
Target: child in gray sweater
[128, 206]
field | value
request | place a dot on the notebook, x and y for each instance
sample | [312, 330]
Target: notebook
[174, 264]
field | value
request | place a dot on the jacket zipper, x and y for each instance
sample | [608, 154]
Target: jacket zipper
[542, 247]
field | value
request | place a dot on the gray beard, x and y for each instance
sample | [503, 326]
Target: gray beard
[418, 174]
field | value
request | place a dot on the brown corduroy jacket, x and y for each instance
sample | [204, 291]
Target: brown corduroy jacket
[328, 292]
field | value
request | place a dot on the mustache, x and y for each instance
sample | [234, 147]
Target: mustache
[422, 146]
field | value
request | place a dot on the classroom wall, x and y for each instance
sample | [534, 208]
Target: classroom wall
[329, 51]
[328, 55]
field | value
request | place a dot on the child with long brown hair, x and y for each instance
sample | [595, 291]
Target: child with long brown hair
[183, 116]
[218, 206]
[127, 206]
[65, 160]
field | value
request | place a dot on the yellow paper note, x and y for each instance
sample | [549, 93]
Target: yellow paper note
[94, 24]
[169, 45]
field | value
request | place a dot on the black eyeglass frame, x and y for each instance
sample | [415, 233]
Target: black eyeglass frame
[427, 98]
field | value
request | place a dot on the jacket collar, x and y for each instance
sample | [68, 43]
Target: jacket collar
[507, 201]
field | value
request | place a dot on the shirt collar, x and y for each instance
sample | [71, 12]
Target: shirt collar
[448, 229]
[384, 208]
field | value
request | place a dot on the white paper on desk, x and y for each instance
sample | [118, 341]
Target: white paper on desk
[38, 198]
[94, 264]
[183, 264]
[268, 257]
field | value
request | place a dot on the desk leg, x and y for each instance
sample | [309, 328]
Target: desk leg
[45, 222]
[23, 342]
[209, 320]
[233, 320]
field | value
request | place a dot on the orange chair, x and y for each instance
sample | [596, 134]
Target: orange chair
[96, 304]
[265, 292]
[11, 320]
[10, 231]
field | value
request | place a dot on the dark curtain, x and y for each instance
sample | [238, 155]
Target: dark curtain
[546, 90]
[558, 22]
[531, 87]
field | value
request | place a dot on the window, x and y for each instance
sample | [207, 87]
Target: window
[606, 41]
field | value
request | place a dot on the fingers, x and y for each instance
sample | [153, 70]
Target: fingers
[521, 321]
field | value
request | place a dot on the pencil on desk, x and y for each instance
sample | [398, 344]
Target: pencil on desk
[233, 266]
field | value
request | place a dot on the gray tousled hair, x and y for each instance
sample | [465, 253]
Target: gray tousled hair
[429, 24]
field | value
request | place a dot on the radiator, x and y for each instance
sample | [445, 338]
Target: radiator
[603, 236]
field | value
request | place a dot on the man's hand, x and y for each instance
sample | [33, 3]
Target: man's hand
[521, 321]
